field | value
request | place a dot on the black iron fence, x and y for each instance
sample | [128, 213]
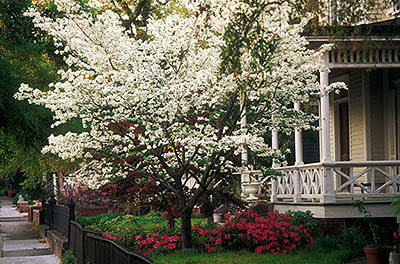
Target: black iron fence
[58, 217]
[87, 246]
[90, 247]
[45, 213]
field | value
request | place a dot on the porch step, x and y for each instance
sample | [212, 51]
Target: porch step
[27, 252]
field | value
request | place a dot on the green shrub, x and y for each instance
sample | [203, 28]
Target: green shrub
[353, 239]
[26, 196]
[151, 220]
[14, 200]
[68, 258]
[87, 221]
[347, 255]
[307, 220]
[123, 227]
[396, 204]
[327, 242]
[3, 191]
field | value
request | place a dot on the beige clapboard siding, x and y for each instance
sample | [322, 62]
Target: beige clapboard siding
[357, 130]
[377, 116]
[378, 10]
[356, 137]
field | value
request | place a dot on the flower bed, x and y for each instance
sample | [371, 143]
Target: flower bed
[246, 230]
[149, 243]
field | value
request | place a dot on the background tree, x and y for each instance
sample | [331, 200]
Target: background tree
[26, 57]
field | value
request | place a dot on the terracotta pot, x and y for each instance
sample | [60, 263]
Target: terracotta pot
[377, 255]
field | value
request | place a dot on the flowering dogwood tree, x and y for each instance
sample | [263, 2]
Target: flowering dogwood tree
[175, 98]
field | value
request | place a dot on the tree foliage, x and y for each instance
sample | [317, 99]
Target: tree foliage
[173, 100]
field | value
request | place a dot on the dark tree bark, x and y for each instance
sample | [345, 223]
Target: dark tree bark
[186, 228]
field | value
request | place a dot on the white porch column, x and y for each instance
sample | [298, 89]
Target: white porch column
[275, 146]
[55, 185]
[327, 181]
[244, 155]
[325, 122]
[275, 140]
[298, 140]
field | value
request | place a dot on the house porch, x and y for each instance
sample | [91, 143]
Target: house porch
[358, 142]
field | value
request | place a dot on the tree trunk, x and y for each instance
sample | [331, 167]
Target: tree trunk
[186, 228]
[171, 224]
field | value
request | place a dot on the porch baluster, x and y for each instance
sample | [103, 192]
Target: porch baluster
[328, 195]
[351, 174]
[373, 185]
[296, 186]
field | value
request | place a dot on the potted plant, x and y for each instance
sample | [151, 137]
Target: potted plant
[377, 252]
[395, 254]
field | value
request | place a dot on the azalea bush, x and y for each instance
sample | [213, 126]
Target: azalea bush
[109, 236]
[306, 219]
[247, 230]
[396, 236]
[151, 242]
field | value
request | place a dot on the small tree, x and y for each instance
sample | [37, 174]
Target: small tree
[174, 99]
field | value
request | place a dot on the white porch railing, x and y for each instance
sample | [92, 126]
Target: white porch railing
[331, 182]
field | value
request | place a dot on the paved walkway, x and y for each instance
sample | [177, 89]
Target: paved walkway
[19, 243]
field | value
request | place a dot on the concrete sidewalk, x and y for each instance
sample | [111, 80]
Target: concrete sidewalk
[19, 243]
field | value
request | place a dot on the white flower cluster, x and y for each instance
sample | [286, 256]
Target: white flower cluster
[169, 87]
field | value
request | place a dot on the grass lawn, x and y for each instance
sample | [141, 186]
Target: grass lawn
[241, 257]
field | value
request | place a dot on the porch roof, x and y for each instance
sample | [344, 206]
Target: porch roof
[375, 45]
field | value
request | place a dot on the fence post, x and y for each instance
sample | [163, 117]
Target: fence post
[52, 202]
[41, 212]
[71, 215]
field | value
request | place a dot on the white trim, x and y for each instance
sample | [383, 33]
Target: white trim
[337, 125]
[349, 66]
[341, 100]
[335, 122]
[350, 39]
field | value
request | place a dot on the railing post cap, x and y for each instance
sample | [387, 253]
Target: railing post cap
[52, 198]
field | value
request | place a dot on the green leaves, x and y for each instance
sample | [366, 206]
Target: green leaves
[25, 57]
[245, 34]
